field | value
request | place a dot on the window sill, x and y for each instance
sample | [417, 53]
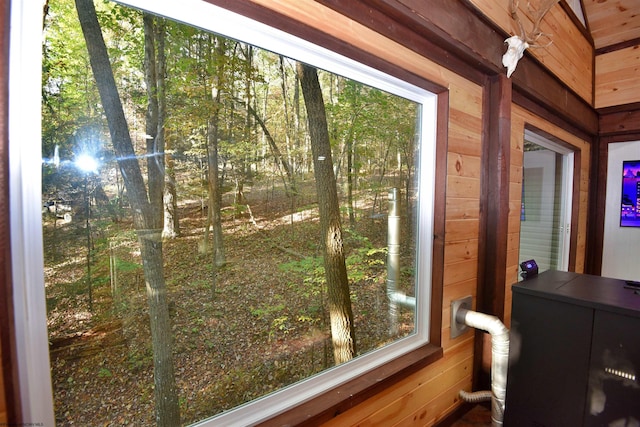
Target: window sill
[346, 396]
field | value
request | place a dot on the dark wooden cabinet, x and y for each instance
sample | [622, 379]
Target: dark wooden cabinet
[574, 356]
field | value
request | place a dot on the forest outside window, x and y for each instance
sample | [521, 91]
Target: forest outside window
[256, 227]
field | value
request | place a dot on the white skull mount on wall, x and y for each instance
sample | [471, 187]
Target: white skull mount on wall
[527, 39]
[515, 50]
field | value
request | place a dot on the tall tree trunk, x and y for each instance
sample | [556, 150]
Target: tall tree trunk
[340, 311]
[215, 196]
[171, 227]
[145, 218]
[171, 218]
[154, 125]
[290, 131]
[215, 190]
[350, 174]
[277, 154]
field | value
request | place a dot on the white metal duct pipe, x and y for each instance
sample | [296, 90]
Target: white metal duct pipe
[400, 298]
[499, 360]
[393, 257]
[393, 262]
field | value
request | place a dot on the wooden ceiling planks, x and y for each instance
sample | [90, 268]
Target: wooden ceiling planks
[613, 21]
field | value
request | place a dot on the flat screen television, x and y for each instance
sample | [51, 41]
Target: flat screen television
[630, 201]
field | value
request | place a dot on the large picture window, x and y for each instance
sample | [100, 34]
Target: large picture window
[231, 220]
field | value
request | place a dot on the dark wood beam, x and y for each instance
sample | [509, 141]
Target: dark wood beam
[494, 203]
[597, 202]
[494, 209]
[620, 120]
[548, 115]
[400, 22]
[460, 27]
[617, 124]
[452, 33]
[533, 81]
[456, 35]
[618, 46]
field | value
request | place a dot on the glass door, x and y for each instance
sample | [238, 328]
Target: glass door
[545, 217]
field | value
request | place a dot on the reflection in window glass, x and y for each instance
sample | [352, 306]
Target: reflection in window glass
[230, 223]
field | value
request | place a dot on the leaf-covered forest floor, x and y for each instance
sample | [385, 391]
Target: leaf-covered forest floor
[260, 325]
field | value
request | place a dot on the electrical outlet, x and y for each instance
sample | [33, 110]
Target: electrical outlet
[459, 328]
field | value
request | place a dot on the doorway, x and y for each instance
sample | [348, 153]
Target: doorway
[545, 215]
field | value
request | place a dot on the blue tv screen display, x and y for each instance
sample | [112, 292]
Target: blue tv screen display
[630, 203]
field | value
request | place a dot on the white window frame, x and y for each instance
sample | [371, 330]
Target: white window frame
[25, 202]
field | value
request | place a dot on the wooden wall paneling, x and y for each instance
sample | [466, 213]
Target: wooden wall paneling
[463, 187]
[410, 392]
[531, 84]
[521, 119]
[464, 250]
[617, 79]
[463, 124]
[460, 267]
[570, 54]
[616, 122]
[439, 226]
[580, 211]
[4, 419]
[449, 399]
[515, 199]
[606, 33]
[543, 108]
[429, 392]
[422, 38]
[458, 27]
[569, 57]
[579, 222]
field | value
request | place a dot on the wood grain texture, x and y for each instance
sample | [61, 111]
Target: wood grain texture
[407, 398]
[621, 123]
[430, 394]
[617, 79]
[455, 35]
[520, 120]
[433, 385]
[570, 55]
[612, 25]
[3, 400]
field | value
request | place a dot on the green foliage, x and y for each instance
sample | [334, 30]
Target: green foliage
[140, 358]
[125, 266]
[282, 324]
[267, 310]
[380, 128]
[104, 373]
[363, 262]
[312, 271]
